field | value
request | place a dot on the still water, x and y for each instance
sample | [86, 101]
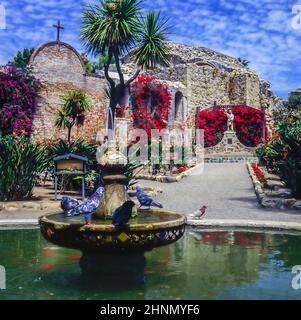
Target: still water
[206, 264]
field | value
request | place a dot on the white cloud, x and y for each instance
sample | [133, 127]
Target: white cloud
[258, 31]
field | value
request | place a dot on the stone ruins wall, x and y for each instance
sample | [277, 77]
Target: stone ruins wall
[60, 69]
[200, 77]
[212, 76]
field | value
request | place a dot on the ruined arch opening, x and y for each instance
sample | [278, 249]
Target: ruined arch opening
[179, 105]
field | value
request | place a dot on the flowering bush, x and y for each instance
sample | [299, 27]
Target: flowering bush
[258, 173]
[151, 103]
[18, 91]
[282, 154]
[248, 124]
[214, 124]
[185, 168]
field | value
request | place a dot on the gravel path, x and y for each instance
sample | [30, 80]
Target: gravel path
[227, 191]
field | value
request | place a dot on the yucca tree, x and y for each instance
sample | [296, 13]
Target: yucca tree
[75, 105]
[244, 62]
[115, 28]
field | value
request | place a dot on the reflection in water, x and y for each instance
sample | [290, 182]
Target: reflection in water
[202, 265]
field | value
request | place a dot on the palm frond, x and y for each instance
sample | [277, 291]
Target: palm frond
[111, 26]
[152, 47]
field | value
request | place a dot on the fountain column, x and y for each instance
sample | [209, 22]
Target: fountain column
[113, 165]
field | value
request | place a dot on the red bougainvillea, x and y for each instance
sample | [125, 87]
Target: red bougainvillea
[185, 168]
[249, 124]
[18, 90]
[214, 124]
[259, 173]
[151, 103]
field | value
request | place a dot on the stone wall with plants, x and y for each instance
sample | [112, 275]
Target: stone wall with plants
[211, 76]
[61, 70]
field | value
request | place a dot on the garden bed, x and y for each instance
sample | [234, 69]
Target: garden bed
[270, 190]
[168, 178]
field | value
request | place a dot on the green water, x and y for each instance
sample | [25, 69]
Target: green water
[202, 265]
[144, 217]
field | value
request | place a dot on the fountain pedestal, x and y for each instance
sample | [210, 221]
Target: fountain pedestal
[108, 252]
[113, 164]
[122, 268]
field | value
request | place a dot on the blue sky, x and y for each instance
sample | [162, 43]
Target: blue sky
[257, 30]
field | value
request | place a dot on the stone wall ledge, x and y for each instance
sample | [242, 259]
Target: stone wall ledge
[268, 198]
[29, 206]
[230, 159]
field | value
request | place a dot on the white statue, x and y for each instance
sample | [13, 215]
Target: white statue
[230, 116]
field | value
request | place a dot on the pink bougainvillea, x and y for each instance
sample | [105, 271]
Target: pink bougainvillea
[18, 91]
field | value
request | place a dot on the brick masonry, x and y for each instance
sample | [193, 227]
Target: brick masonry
[61, 69]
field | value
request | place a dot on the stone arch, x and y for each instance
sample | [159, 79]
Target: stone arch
[206, 63]
[54, 57]
[179, 105]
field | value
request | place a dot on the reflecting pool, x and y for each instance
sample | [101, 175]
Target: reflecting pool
[207, 264]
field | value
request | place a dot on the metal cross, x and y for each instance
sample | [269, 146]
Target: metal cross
[59, 27]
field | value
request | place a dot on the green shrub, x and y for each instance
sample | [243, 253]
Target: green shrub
[20, 164]
[80, 148]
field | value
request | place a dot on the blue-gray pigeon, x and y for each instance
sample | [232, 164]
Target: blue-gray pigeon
[68, 203]
[89, 206]
[146, 200]
[122, 215]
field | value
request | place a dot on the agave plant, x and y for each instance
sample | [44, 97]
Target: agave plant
[75, 105]
[115, 28]
[21, 162]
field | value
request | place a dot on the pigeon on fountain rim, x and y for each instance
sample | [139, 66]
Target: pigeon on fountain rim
[146, 200]
[122, 215]
[88, 206]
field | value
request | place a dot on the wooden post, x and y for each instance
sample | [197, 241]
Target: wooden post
[55, 187]
[83, 187]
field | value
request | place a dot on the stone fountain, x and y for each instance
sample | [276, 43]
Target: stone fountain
[110, 253]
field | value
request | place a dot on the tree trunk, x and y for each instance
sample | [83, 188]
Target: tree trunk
[69, 134]
[116, 98]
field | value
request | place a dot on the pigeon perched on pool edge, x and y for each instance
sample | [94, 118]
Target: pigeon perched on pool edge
[89, 206]
[146, 200]
[68, 203]
[122, 215]
[199, 213]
